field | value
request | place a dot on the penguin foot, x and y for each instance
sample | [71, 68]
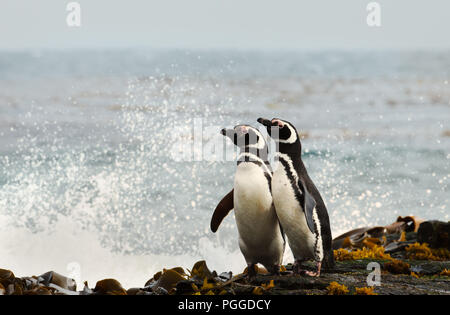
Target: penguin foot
[312, 273]
[251, 271]
[297, 268]
[315, 273]
[275, 270]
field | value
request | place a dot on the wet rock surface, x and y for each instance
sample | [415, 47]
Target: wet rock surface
[423, 277]
[434, 233]
[389, 261]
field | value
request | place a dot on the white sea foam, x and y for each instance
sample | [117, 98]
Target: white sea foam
[78, 253]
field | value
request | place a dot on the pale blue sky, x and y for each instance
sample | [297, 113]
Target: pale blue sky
[230, 24]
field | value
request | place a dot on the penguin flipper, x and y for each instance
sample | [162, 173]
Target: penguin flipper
[279, 224]
[223, 208]
[309, 203]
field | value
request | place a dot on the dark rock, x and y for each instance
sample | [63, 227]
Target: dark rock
[133, 291]
[7, 278]
[187, 286]
[339, 241]
[429, 267]
[225, 276]
[143, 292]
[435, 233]
[291, 281]
[39, 291]
[6, 274]
[86, 290]
[57, 279]
[397, 246]
[201, 271]
[410, 237]
[29, 282]
[397, 267]
[179, 270]
[138, 291]
[109, 287]
[349, 266]
[167, 280]
[242, 289]
[160, 291]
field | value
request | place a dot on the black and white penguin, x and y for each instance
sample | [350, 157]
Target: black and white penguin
[299, 206]
[261, 239]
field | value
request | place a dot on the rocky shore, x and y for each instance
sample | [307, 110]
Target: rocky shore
[407, 257]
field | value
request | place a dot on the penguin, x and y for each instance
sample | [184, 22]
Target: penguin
[299, 205]
[261, 239]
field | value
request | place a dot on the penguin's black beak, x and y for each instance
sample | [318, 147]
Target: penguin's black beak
[227, 132]
[265, 122]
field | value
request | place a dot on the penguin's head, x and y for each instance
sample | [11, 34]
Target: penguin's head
[246, 136]
[281, 131]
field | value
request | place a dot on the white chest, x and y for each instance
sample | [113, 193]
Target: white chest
[251, 190]
[288, 208]
[284, 199]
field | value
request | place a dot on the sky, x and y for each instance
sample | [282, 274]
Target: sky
[225, 24]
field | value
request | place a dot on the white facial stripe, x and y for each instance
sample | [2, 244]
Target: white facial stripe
[261, 141]
[259, 145]
[254, 157]
[292, 138]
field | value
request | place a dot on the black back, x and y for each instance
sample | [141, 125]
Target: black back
[322, 212]
[294, 151]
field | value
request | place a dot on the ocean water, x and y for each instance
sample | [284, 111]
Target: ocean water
[108, 166]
